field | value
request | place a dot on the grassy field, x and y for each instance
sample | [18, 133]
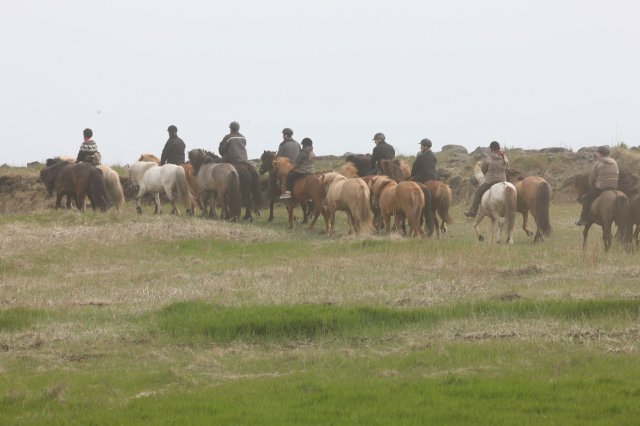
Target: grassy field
[120, 318]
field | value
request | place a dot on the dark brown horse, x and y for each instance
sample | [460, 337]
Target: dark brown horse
[75, 181]
[266, 165]
[440, 203]
[356, 165]
[610, 207]
[534, 195]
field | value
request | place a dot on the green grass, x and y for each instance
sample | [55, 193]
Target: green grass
[16, 319]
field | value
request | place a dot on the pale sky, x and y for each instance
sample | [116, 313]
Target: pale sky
[529, 74]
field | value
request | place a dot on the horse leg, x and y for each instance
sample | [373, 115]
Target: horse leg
[436, 223]
[635, 234]
[606, 235]
[494, 230]
[351, 222]
[331, 222]
[290, 210]
[271, 203]
[156, 200]
[525, 222]
[476, 222]
[386, 220]
[585, 232]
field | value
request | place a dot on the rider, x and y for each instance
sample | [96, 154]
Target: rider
[233, 147]
[89, 150]
[604, 176]
[494, 166]
[173, 151]
[289, 147]
[303, 166]
[424, 168]
[382, 151]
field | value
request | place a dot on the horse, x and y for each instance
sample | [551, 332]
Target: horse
[611, 206]
[356, 165]
[188, 172]
[306, 188]
[441, 199]
[112, 186]
[266, 165]
[404, 199]
[217, 183]
[499, 203]
[351, 196]
[534, 195]
[149, 157]
[150, 177]
[75, 180]
[48, 175]
[634, 205]
[396, 169]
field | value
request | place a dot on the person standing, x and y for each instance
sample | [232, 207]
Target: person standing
[288, 147]
[604, 176]
[88, 152]
[233, 147]
[303, 166]
[173, 152]
[424, 168]
[382, 151]
[494, 166]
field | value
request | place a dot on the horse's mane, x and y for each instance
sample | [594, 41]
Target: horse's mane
[515, 174]
[362, 162]
[149, 157]
[396, 169]
[382, 181]
[349, 169]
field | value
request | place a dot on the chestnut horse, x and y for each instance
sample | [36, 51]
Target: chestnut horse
[404, 199]
[266, 165]
[534, 195]
[306, 188]
[396, 169]
[348, 195]
[499, 203]
[440, 202]
[610, 207]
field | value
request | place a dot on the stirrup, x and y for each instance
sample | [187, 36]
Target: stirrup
[285, 196]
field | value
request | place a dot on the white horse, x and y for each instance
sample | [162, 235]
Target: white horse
[112, 186]
[351, 196]
[150, 177]
[499, 203]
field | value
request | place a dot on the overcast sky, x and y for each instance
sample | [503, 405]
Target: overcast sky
[528, 74]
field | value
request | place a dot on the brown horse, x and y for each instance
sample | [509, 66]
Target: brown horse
[396, 169]
[78, 181]
[404, 199]
[440, 203]
[306, 188]
[267, 165]
[356, 165]
[610, 207]
[634, 205]
[348, 195]
[217, 183]
[534, 195]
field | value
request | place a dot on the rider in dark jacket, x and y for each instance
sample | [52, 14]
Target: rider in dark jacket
[173, 152]
[382, 151]
[233, 147]
[424, 168]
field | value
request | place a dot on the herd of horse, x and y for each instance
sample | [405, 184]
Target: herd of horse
[369, 201]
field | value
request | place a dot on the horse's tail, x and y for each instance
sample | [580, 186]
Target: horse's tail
[510, 207]
[416, 208]
[364, 210]
[233, 194]
[622, 216]
[97, 190]
[185, 196]
[445, 204]
[543, 201]
[256, 193]
[113, 186]
[428, 212]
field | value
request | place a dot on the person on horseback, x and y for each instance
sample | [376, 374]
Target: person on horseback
[89, 150]
[604, 176]
[173, 151]
[494, 166]
[424, 168]
[289, 147]
[382, 151]
[303, 166]
[233, 147]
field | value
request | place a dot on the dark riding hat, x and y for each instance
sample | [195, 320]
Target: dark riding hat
[494, 146]
[603, 150]
[172, 129]
[426, 142]
[234, 126]
[287, 131]
[87, 133]
[378, 136]
[307, 142]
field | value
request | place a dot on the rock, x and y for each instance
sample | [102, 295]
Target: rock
[34, 164]
[455, 148]
[480, 152]
[443, 174]
[554, 150]
[455, 182]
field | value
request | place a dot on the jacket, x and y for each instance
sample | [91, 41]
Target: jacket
[304, 162]
[424, 168]
[173, 152]
[233, 148]
[494, 166]
[604, 174]
[289, 149]
[89, 153]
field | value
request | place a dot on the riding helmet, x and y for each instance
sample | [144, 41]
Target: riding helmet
[172, 129]
[287, 131]
[307, 142]
[604, 150]
[378, 136]
[87, 133]
[426, 142]
[234, 126]
[494, 146]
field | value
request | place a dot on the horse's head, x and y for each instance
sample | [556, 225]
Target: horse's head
[514, 175]
[396, 169]
[266, 161]
[149, 157]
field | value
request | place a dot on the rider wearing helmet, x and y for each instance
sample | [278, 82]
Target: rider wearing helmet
[173, 151]
[382, 151]
[303, 166]
[233, 147]
[424, 168]
[494, 166]
[604, 176]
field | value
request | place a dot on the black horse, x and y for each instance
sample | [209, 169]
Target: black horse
[76, 181]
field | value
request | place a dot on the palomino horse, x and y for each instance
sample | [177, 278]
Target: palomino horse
[499, 203]
[112, 186]
[218, 183]
[305, 188]
[348, 195]
[611, 206]
[266, 165]
[534, 195]
[150, 177]
[75, 180]
[404, 199]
